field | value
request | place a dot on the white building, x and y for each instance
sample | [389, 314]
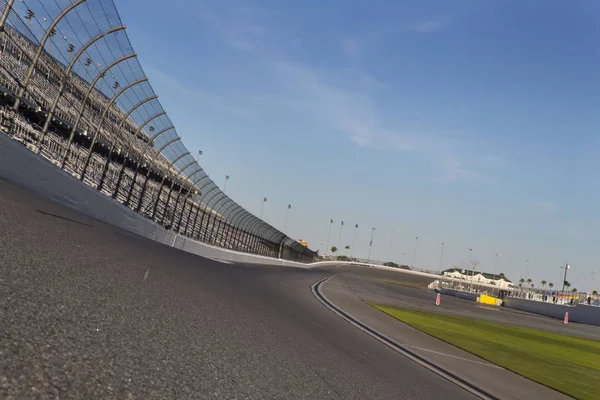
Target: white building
[478, 277]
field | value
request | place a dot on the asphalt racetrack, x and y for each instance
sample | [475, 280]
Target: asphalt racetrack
[88, 311]
[91, 311]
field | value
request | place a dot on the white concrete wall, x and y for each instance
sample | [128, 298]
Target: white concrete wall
[26, 169]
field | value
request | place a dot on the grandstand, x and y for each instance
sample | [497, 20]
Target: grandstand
[73, 90]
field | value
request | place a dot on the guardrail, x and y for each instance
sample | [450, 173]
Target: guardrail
[73, 91]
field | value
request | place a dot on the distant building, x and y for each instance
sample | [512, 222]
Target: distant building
[478, 277]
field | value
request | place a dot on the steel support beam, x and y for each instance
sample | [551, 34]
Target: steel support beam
[158, 152]
[209, 211]
[222, 220]
[122, 171]
[112, 147]
[40, 50]
[216, 215]
[85, 98]
[97, 131]
[135, 176]
[65, 75]
[7, 9]
[204, 212]
[235, 218]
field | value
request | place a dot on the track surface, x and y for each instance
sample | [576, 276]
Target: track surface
[372, 288]
[90, 311]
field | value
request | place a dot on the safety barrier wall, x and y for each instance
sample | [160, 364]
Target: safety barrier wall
[26, 169]
[580, 313]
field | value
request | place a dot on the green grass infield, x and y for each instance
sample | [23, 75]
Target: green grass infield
[567, 364]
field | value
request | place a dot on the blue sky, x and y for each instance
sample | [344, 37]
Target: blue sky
[471, 122]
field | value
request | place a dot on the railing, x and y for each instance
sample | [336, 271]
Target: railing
[73, 90]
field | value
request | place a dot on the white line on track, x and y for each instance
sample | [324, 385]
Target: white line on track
[402, 349]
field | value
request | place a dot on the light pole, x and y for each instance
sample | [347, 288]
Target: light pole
[287, 213]
[441, 258]
[340, 235]
[566, 267]
[262, 207]
[496, 265]
[390, 250]
[328, 235]
[371, 244]
[225, 186]
[353, 241]
[526, 269]
[415, 252]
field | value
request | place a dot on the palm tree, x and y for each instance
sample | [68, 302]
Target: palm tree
[574, 290]
[567, 284]
[543, 284]
[347, 248]
[529, 280]
[333, 250]
[595, 293]
[521, 281]
[551, 285]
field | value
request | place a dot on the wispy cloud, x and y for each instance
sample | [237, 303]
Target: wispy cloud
[195, 95]
[430, 26]
[355, 113]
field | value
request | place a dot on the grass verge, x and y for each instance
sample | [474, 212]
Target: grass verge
[568, 364]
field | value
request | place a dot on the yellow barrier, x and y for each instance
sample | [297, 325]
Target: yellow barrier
[485, 299]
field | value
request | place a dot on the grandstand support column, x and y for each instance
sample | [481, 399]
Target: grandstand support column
[173, 181]
[195, 220]
[222, 221]
[192, 190]
[65, 76]
[135, 177]
[233, 232]
[7, 9]
[246, 231]
[232, 229]
[141, 158]
[193, 185]
[209, 212]
[159, 151]
[165, 174]
[179, 192]
[112, 147]
[213, 216]
[245, 236]
[280, 252]
[23, 85]
[185, 203]
[137, 132]
[213, 231]
[189, 217]
[196, 192]
[240, 236]
[205, 211]
[84, 101]
[96, 131]
[225, 225]
[253, 235]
